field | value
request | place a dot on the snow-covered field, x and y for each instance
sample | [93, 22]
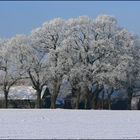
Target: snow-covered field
[69, 124]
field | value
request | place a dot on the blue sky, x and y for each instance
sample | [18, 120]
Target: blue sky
[20, 17]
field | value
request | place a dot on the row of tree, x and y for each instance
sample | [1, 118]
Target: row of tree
[82, 51]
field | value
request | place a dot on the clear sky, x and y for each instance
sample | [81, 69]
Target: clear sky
[20, 17]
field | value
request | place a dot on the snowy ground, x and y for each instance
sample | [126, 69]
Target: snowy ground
[69, 124]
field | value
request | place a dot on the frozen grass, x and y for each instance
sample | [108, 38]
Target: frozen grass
[69, 124]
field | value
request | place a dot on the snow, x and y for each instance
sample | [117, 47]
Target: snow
[69, 124]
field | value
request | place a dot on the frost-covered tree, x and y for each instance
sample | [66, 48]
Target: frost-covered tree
[86, 51]
[84, 46]
[117, 68]
[32, 62]
[10, 72]
[77, 46]
[101, 48]
[58, 67]
[48, 38]
[133, 74]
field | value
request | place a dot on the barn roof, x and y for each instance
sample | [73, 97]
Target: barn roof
[21, 93]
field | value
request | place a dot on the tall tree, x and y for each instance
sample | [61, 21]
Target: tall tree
[47, 39]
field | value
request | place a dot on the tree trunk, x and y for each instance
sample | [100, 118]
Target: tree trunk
[88, 102]
[77, 101]
[85, 106]
[109, 98]
[129, 103]
[6, 99]
[109, 104]
[102, 100]
[95, 97]
[94, 103]
[53, 101]
[130, 92]
[57, 85]
[39, 99]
